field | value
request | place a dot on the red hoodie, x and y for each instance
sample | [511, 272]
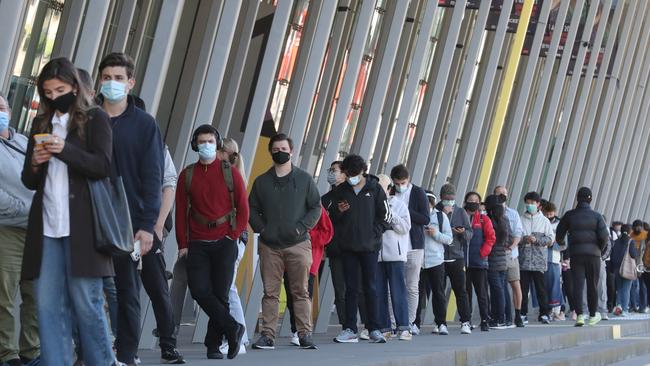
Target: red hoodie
[321, 235]
[489, 237]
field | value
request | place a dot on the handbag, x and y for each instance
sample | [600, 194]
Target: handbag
[111, 217]
[628, 265]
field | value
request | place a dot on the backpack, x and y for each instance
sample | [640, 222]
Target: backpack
[231, 216]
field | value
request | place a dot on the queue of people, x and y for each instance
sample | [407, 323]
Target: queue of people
[391, 245]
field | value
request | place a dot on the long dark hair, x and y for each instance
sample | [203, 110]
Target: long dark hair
[497, 213]
[63, 70]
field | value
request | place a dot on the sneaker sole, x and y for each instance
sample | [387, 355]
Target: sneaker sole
[378, 341]
[356, 340]
[263, 347]
[297, 344]
[173, 362]
[309, 347]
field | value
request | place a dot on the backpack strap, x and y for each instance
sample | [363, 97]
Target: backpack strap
[226, 168]
[440, 220]
[230, 217]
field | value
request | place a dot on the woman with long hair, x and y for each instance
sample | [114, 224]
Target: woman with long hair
[70, 143]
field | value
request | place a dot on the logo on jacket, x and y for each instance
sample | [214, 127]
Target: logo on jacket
[367, 194]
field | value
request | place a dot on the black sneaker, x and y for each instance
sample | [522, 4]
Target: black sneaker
[214, 354]
[171, 356]
[519, 322]
[264, 342]
[306, 342]
[234, 337]
[485, 327]
[15, 362]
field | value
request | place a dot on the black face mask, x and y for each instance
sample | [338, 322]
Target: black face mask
[62, 103]
[472, 206]
[280, 157]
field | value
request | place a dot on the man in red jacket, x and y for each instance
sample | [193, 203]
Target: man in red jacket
[211, 212]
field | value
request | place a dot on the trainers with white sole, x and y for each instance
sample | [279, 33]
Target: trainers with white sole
[347, 336]
[405, 335]
[442, 329]
[465, 328]
[377, 337]
[364, 335]
[295, 341]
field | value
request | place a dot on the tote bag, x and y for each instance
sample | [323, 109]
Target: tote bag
[111, 217]
[628, 266]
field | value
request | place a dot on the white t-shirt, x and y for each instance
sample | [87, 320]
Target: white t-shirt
[406, 197]
[56, 204]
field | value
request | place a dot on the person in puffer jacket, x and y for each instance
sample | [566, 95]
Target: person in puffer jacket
[477, 251]
[533, 253]
[390, 272]
[498, 262]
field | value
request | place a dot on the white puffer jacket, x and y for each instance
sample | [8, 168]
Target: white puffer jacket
[395, 241]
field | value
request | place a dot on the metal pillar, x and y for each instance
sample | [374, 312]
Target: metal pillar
[555, 101]
[91, 34]
[427, 124]
[161, 50]
[527, 147]
[124, 22]
[384, 62]
[560, 135]
[10, 20]
[611, 105]
[412, 82]
[484, 97]
[264, 85]
[505, 168]
[595, 99]
[347, 88]
[309, 84]
[68, 31]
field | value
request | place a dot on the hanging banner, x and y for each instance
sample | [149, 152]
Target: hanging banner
[471, 4]
[551, 26]
[601, 53]
[515, 14]
[581, 29]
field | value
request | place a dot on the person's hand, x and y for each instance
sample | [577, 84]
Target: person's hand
[343, 206]
[182, 253]
[431, 230]
[55, 145]
[459, 230]
[146, 241]
[40, 155]
[532, 238]
[158, 230]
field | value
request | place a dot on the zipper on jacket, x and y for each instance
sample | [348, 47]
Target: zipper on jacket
[399, 248]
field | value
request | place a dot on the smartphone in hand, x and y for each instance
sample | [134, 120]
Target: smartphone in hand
[137, 251]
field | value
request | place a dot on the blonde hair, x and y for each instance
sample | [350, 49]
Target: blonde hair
[384, 181]
[230, 146]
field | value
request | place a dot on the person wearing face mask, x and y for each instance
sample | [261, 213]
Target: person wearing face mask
[416, 200]
[360, 216]
[498, 261]
[476, 256]
[60, 244]
[15, 201]
[638, 299]
[211, 213]
[538, 235]
[454, 257]
[553, 274]
[138, 157]
[285, 206]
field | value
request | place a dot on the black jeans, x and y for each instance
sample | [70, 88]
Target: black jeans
[367, 262]
[477, 278]
[127, 284]
[210, 274]
[585, 267]
[645, 277]
[154, 280]
[456, 273]
[287, 291]
[435, 276]
[425, 292]
[611, 287]
[537, 278]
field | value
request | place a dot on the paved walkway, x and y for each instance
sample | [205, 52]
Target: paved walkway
[424, 349]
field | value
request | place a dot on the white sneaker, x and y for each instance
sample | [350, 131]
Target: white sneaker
[294, 339]
[465, 328]
[604, 315]
[435, 329]
[364, 335]
[346, 336]
[405, 335]
[442, 330]
[414, 329]
[224, 349]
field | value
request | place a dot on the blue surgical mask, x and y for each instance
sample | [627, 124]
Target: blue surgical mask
[354, 180]
[401, 188]
[531, 209]
[449, 203]
[113, 91]
[4, 121]
[207, 151]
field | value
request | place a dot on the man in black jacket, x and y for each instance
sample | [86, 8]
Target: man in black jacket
[588, 238]
[360, 217]
[418, 204]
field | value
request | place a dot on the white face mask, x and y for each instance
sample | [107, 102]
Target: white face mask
[354, 180]
[401, 188]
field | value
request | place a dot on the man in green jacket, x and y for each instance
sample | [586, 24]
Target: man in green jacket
[284, 205]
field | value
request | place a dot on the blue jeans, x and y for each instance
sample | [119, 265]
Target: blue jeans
[111, 299]
[391, 274]
[623, 292]
[498, 292]
[639, 295]
[62, 298]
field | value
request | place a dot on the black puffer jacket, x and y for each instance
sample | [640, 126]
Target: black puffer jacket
[586, 229]
[360, 228]
[497, 260]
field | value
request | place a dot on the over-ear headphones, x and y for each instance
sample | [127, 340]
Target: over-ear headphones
[203, 129]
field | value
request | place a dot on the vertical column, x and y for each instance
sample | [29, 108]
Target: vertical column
[426, 126]
[570, 98]
[471, 143]
[309, 84]
[595, 99]
[265, 82]
[161, 50]
[68, 31]
[371, 114]
[412, 82]
[91, 34]
[10, 20]
[555, 101]
[549, 63]
[347, 87]
[123, 26]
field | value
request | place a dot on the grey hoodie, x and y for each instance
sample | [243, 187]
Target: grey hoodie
[15, 199]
